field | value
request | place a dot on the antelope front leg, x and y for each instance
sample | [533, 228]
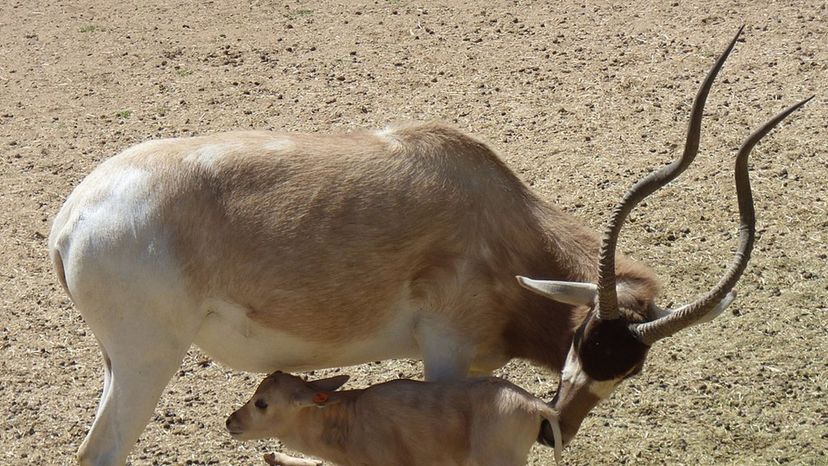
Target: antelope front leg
[281, 459]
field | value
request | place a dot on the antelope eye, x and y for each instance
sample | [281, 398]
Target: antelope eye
[261, 404]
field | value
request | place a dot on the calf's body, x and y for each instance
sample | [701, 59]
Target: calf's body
[485, 421]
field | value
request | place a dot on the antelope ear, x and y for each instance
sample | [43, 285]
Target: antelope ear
[574, 293]
[658, 313]
[310, 398]
[330, 384]
[319, 393]
[718, 309]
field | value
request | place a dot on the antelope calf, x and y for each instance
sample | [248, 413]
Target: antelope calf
[486, 421]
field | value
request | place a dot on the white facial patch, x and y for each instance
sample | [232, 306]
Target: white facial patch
[575, 375]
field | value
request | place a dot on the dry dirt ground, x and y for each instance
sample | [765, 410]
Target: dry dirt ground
[579, 98]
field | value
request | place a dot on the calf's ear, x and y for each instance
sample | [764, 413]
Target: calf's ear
[311, 398]
[319, 393]
[330, 384]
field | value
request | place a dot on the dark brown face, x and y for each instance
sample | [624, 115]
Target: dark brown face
[603, 353]
[608, 350]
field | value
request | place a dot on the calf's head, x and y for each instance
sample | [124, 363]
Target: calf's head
[280, 397]
[612, 342]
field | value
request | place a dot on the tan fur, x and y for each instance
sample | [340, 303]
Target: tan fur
[474, 422]
[353, 216]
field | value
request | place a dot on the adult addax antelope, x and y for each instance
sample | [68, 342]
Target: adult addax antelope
[294, 252]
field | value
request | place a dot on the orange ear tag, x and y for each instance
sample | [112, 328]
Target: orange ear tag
[320, 398]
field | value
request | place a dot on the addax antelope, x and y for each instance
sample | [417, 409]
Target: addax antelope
[297, 251]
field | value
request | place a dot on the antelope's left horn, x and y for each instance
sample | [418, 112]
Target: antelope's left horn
[607, 308]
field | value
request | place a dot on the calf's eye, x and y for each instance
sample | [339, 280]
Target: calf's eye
[261, 404]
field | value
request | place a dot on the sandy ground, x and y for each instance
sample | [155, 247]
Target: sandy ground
[579, 98]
